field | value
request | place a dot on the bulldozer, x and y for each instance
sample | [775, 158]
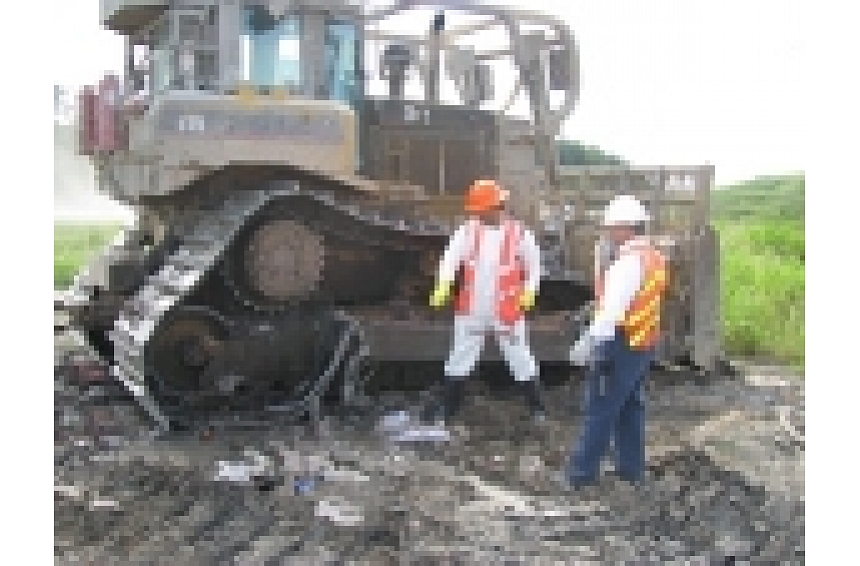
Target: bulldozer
[296, 169]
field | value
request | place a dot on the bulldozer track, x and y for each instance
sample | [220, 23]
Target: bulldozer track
[178, 277]
[210, 234]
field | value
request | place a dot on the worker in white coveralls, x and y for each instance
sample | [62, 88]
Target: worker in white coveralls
[498, 260]
[619, 345]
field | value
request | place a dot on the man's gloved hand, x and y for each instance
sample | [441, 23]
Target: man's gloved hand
[527, 300]
[440, 294]
[581, 353]
[590, 351]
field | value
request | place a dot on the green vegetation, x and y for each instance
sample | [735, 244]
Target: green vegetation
[74, 244]
[761, 226]
[572, 152]
[762, 199]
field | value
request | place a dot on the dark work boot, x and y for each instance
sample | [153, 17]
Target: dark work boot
[451, 400]
[454, 391]
[530, 390]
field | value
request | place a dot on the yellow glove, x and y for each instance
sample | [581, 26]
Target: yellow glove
[527, 300]
[440, 294]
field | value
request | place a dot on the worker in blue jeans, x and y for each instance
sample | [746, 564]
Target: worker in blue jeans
[614, 401]
[619, 346]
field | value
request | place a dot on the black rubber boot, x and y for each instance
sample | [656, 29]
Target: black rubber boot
[455, 389]
[448, 403]
[530, 390]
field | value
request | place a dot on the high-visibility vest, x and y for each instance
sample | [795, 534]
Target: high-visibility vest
[641, 322]
[511, 274]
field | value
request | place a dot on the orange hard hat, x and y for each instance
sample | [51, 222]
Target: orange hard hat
[485, 195]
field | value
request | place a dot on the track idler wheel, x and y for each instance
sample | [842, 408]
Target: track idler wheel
[277, 262]
[184, 352]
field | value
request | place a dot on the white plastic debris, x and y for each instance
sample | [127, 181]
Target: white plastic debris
[336, 474]
[71, 491]
[234, 472]
[103, 503]
[400, 426]
[340, 512]
[396, 421]
[766, 380]
[242, 471]
[530, 465]
[421, 433]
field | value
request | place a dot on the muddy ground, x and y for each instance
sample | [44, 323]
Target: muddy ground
[725, 482]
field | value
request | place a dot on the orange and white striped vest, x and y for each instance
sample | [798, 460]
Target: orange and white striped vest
[511, 273]
[641, 322]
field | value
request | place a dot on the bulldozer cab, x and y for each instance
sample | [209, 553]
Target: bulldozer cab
[306, 54]
[221, 47]
[433, 103]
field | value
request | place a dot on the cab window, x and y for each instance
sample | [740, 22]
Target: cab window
[340, 61]
[271, 49]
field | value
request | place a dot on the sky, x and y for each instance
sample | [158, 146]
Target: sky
[663, 82]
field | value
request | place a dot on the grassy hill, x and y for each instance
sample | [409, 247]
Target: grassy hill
[762, 237]
[572, 152]
[763, 198]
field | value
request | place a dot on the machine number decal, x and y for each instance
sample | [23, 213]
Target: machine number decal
[254, 125]
[191, 123]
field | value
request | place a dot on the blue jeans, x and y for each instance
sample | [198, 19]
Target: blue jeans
[615, 407]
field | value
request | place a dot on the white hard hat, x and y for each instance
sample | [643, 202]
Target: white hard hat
[625, 210]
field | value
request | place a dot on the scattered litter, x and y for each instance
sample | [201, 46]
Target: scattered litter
[340, 512]
[489, 512]
[239, 472]
[260, 460]
[67, 491]
[530, 465]
[242, 471]
[395, 422]
[400, 426]
[103, 503]
[765, 380]
[420, 433]
[303, 485]
[499, 495]
[335, 474]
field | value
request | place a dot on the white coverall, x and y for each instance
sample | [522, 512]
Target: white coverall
[470, 329]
